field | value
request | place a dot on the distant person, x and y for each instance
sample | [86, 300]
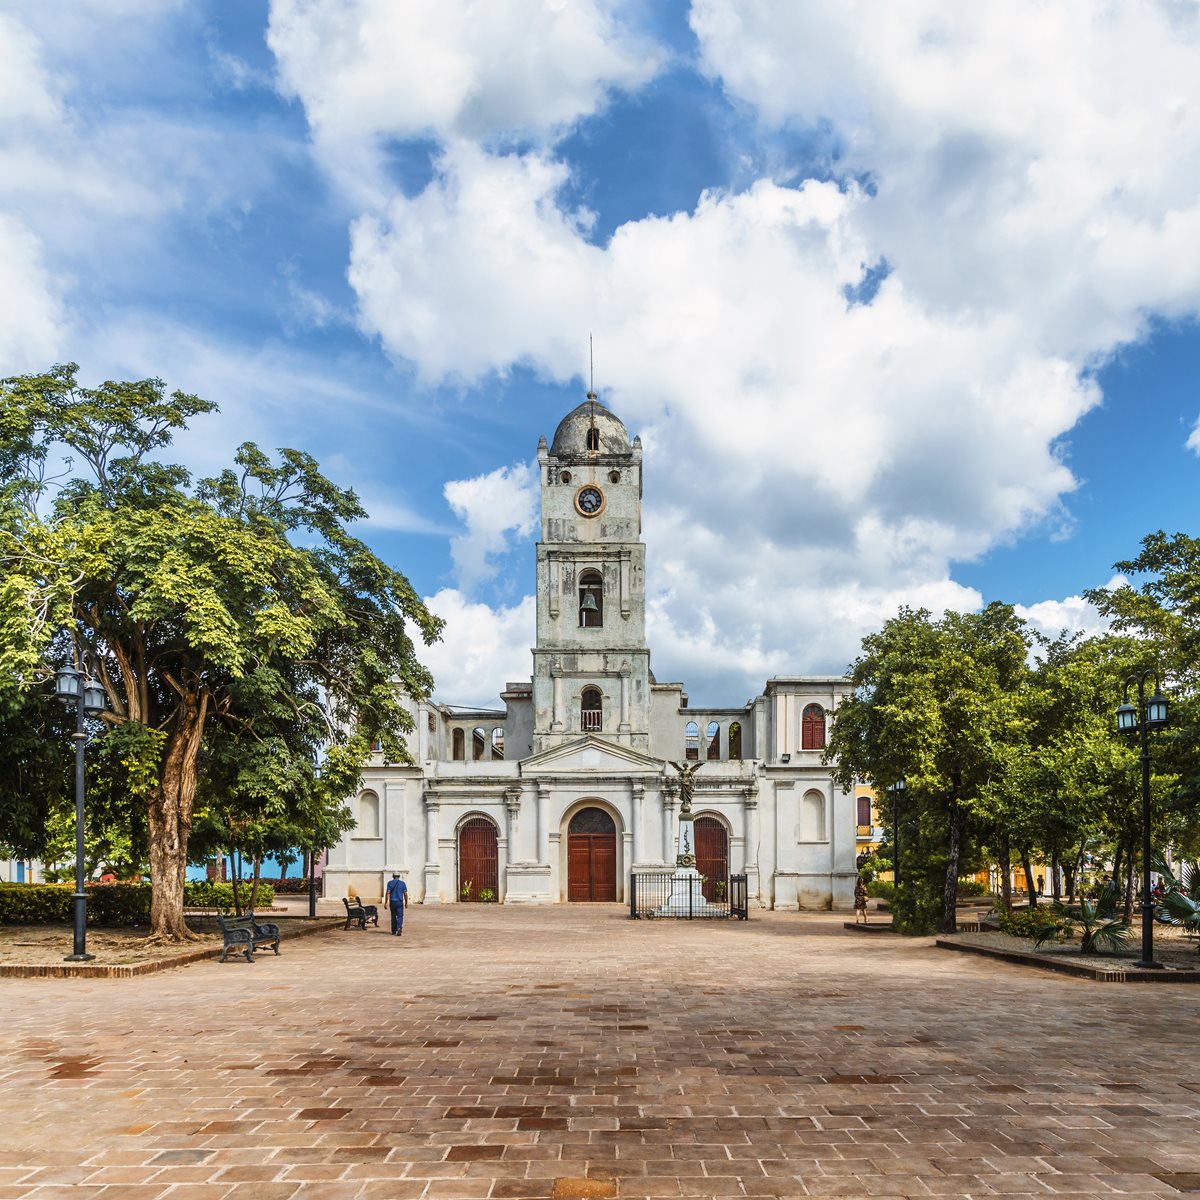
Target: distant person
[397, 900]
[860, 901]
[1041, 885]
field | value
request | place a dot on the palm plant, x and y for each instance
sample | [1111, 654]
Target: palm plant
[1178, 904]
[1100, 932]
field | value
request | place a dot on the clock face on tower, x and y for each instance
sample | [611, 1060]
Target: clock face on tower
[589, 500]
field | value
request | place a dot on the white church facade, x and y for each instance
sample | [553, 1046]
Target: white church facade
[569, 787]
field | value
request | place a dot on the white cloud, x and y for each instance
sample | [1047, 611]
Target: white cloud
[1031, 176]
[1193, 442]
[31, 311]
[368, 70]
[1073, 614]
[493, 507]
[481, 648]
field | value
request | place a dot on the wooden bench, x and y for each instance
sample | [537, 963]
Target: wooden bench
[360, 913]
[244, 935]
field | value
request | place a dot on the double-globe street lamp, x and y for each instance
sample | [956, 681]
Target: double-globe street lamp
[71, 687]
[1150, 714]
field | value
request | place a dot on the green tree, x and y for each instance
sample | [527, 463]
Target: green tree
[937, 703]
[173, 594]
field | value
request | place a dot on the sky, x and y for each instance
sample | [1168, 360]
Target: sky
[901, 298]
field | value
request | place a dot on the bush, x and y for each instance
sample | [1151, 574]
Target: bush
[972, 887]
[881, 889]
[212, 893]
[1028, 922]
[50, 903]
[291, 886]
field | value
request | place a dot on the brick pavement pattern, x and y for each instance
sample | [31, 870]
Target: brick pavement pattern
[570, 1052]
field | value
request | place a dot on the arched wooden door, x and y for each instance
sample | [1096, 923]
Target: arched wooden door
[478, 861]
[592, 856]
[712, 857]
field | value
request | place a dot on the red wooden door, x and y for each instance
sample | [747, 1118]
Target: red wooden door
[478, 861]
[712, 857]
[591, 857]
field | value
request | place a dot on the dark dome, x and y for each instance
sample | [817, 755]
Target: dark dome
[570, 438]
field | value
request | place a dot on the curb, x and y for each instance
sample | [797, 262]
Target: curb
[132, 970]
[1057, 964]
[879, 927]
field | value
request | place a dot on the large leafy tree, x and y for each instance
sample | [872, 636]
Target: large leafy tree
[203, 609]
[937, 703]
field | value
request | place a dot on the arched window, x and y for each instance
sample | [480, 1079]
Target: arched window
[864, 811]
[812, 817]
[458, 738]
[367, 817]
[713, 733]
[497, 743]
[591, 710]
[691, 741]
[812, 728]
[478, 742]
[735, 740]
[591, 600]
[593, 438]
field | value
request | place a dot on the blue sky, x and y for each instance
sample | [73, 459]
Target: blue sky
[902, 299]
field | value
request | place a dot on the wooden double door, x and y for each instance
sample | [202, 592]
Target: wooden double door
[591, 857]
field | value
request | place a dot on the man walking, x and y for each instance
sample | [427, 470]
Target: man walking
[397, 900]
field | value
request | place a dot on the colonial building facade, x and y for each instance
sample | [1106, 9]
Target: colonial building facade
[562, 793]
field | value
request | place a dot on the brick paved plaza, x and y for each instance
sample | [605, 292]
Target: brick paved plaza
[506, 1052]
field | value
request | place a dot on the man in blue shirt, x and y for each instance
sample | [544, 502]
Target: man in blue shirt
[397, 900]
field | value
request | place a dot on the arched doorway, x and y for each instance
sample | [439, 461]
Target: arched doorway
[478, 861]
[591, 856]
[712, 857]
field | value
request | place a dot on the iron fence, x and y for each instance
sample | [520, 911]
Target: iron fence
[680, 895]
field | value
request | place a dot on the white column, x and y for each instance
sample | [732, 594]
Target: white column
[750, 817]
[669, 835]
[512, 806]
[501, 868]
[543, 822]
[638, 794]
[625, 674]
[432, 873]
[553, 582]
[626, 603]
[556, 716]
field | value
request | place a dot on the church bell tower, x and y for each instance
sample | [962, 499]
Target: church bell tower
[591, 667]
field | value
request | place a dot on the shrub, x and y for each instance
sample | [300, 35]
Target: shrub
[972, 887]
[50, 903]
[881, 889]
[213, 893]
[1028, 922]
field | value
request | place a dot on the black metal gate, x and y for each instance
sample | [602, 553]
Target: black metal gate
[670, 894]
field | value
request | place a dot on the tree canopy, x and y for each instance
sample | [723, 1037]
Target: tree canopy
[237, 615]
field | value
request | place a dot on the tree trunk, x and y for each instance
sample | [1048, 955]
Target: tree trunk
[254, 882]
[1127, 916]
[950, 893]
[1077, 873]
[1118, 860]
[1005, 860]
[1055, 867]
[169, 821]
[236, 856]
[1030, 890]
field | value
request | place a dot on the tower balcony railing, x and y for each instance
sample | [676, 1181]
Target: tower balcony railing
[593, 720]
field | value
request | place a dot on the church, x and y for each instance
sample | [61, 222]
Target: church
[562, 793]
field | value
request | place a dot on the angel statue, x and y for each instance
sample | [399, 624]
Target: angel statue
[687, 774]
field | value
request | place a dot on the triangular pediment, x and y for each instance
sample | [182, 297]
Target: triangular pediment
[591, 755]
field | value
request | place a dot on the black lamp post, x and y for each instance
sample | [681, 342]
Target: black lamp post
[1150, 714]
[896, 791]
[87, 696]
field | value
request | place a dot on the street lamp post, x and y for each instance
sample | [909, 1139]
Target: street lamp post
[896, 791]
[1150, 714]
[72, 688]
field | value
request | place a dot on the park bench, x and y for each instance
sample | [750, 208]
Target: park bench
[360, 912]
[245, 935]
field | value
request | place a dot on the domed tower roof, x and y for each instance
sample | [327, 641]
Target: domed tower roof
[571, 438]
